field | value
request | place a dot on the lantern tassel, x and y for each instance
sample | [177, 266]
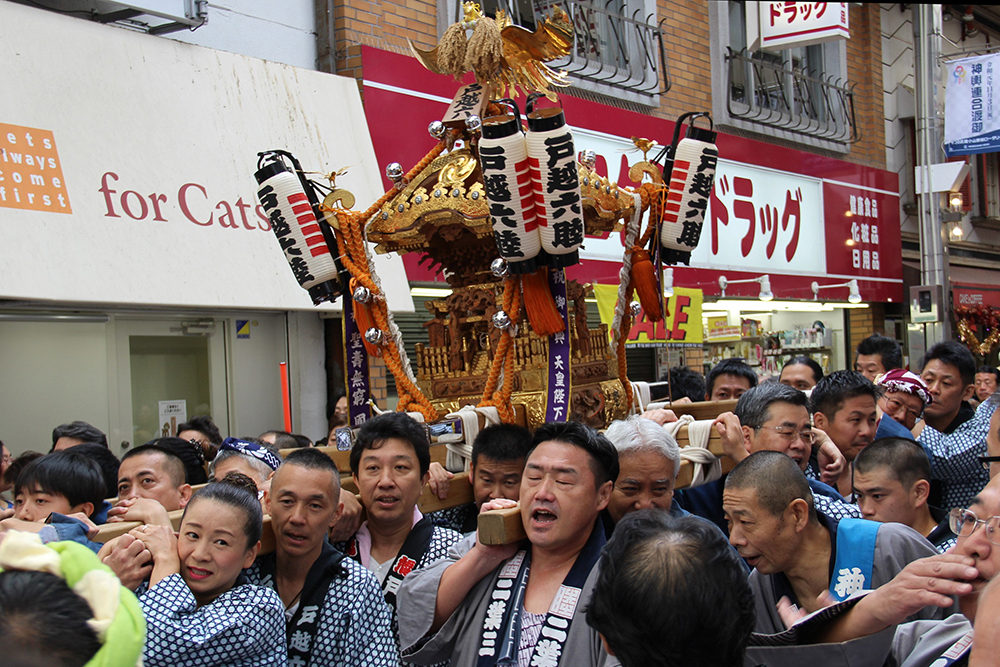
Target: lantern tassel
[542, 312]
[645, 284]
[363, 316]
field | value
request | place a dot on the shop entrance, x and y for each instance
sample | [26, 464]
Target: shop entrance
[168, 372]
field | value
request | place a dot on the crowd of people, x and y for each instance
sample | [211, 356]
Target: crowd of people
[857, 525]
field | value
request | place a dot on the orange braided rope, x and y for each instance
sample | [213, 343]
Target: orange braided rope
[351, 240]
[503, 356]
[626, 326]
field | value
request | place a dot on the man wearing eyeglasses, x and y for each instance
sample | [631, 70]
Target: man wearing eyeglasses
[846, 629]
[904, 397]
[769, 417]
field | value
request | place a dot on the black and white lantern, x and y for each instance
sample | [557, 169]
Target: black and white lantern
[290, 212]
[692, 176]
[558, 206]
[507, 182]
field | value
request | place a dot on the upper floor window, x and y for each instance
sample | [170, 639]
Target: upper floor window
[798, 90]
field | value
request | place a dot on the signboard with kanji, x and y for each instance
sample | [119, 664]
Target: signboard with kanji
[786, 25]
[971, 121]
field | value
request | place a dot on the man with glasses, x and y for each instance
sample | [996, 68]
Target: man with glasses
[771, 417]
[861, 632]
[904, 398]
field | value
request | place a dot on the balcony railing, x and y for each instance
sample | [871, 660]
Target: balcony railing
[775, 93]
[614, 46]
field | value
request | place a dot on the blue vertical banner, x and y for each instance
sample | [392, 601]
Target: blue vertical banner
[557, 405]
[356, 376]
[971, 116]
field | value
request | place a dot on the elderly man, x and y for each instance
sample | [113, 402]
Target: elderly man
[965, 573]
[490, 605]
[769, 417]
[334, 608]
[904, 397]
[987, 379]
[246, 457]
[799, 556]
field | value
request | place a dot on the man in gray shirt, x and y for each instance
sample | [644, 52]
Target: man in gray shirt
[800, 557]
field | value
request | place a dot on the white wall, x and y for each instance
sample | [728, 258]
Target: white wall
[283, 32]
[52, 373]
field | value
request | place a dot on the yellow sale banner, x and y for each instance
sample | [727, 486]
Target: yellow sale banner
[682, 323]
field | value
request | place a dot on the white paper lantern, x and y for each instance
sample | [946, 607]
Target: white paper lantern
[503, 158]
[558, 204]
[691, 180]
[298, 232]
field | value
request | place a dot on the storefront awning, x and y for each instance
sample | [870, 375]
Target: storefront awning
[127, 167]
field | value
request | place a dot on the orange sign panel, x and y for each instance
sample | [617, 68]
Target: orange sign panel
[31, 175]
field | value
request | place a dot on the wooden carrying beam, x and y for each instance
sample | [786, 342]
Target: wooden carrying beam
[459, 493]
[702, 409]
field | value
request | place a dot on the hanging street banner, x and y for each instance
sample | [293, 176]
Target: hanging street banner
[681, 325]
[971, 119]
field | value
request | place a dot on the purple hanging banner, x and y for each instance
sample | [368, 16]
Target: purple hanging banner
[557, 405]
[356, 377]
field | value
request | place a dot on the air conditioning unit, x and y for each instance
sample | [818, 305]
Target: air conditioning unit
[155, 17]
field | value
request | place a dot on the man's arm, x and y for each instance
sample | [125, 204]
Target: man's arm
[459, 578]
[923, 583]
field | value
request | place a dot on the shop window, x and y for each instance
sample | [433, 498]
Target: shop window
[618, 48]
[799, 92]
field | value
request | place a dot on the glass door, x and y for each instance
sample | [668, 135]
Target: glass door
[168, 372]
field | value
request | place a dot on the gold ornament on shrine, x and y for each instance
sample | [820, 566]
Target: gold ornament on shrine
[502, 55]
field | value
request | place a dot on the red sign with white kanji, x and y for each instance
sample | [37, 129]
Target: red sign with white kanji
[862, 232]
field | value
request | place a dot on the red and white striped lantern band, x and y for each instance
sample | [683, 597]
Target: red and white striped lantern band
[294, 222]
[503, 157]
[691, 178]
[556, 184]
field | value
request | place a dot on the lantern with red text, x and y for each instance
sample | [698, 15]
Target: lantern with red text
[290, 210]
[690, 181]
[503, 157]
[556, 184]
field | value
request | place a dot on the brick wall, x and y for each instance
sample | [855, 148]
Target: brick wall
[863, 322]
[387, 24]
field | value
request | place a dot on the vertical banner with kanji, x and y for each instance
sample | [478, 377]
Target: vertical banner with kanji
[971, 120]
[681, 323]
[357, 378]
[557, 405]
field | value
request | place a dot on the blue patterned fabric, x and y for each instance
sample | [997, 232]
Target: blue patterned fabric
[355, 622]
[955, 457]
[441, 540]
[244, 627]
